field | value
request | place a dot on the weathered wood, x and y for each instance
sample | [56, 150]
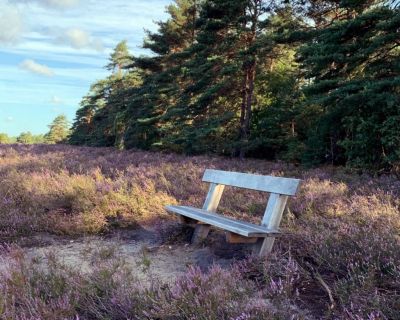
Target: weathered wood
[210, 204]
[256, 247]
[213, 197]
[272, 219]
[200, 233]
[235, 238]
[284, 186]
[239, 227]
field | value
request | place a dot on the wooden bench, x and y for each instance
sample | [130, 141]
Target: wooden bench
[262, 236]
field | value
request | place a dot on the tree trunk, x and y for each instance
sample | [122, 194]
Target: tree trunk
[247, 109]
[250, 76]
[242, 128]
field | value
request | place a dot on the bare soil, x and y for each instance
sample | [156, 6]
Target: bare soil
[142, 249]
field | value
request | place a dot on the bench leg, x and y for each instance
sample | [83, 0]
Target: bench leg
[263, 246]
[200, 233]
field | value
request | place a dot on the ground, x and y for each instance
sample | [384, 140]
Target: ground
[140, 248]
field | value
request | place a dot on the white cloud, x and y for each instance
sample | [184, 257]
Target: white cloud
[45, 48]
[34, 67]
[11, 22]
[58, 4]
[9, 119]
[56, 100]
[80, 39]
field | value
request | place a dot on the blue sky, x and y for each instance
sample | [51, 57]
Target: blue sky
[52, 50]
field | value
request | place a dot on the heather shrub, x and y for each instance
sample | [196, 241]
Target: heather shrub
[367, 268]
[283, 281]
[70, 203]
[321, 196]
[254, 288]
[216, 295]
[359, 265]
[30, 290]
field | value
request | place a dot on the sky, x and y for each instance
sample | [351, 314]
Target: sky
[51, 51]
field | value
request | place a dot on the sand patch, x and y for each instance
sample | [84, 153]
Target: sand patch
[140, 250]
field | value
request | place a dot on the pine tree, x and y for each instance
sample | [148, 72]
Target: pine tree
[354, 64]
[222, 77]
[101, 119]
[234, 45]
[163, 78]
[59, 130]
[120, 58]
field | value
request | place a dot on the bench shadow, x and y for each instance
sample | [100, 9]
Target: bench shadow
[224, 250]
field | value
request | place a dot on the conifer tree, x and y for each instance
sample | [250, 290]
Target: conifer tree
[316, 80]
[234, 45]
[120, 58]
[58, 130]
[101, 119]
[354, 64]
[163, 77]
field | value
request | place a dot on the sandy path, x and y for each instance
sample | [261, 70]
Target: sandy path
[140, 249]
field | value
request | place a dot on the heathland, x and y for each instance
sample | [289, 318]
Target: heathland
[338, 256]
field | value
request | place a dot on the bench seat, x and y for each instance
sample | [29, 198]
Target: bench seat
[239, 227]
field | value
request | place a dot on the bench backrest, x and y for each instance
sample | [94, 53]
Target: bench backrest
[278, 185]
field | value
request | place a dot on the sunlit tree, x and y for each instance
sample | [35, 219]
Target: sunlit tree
[59, 130]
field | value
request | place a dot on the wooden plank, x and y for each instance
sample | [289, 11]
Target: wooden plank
[235, 238]
[285, 186]
[210, 204]
[273, 213]
[213, 197]
[272, 219]
[239, 227]
[200, 215]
